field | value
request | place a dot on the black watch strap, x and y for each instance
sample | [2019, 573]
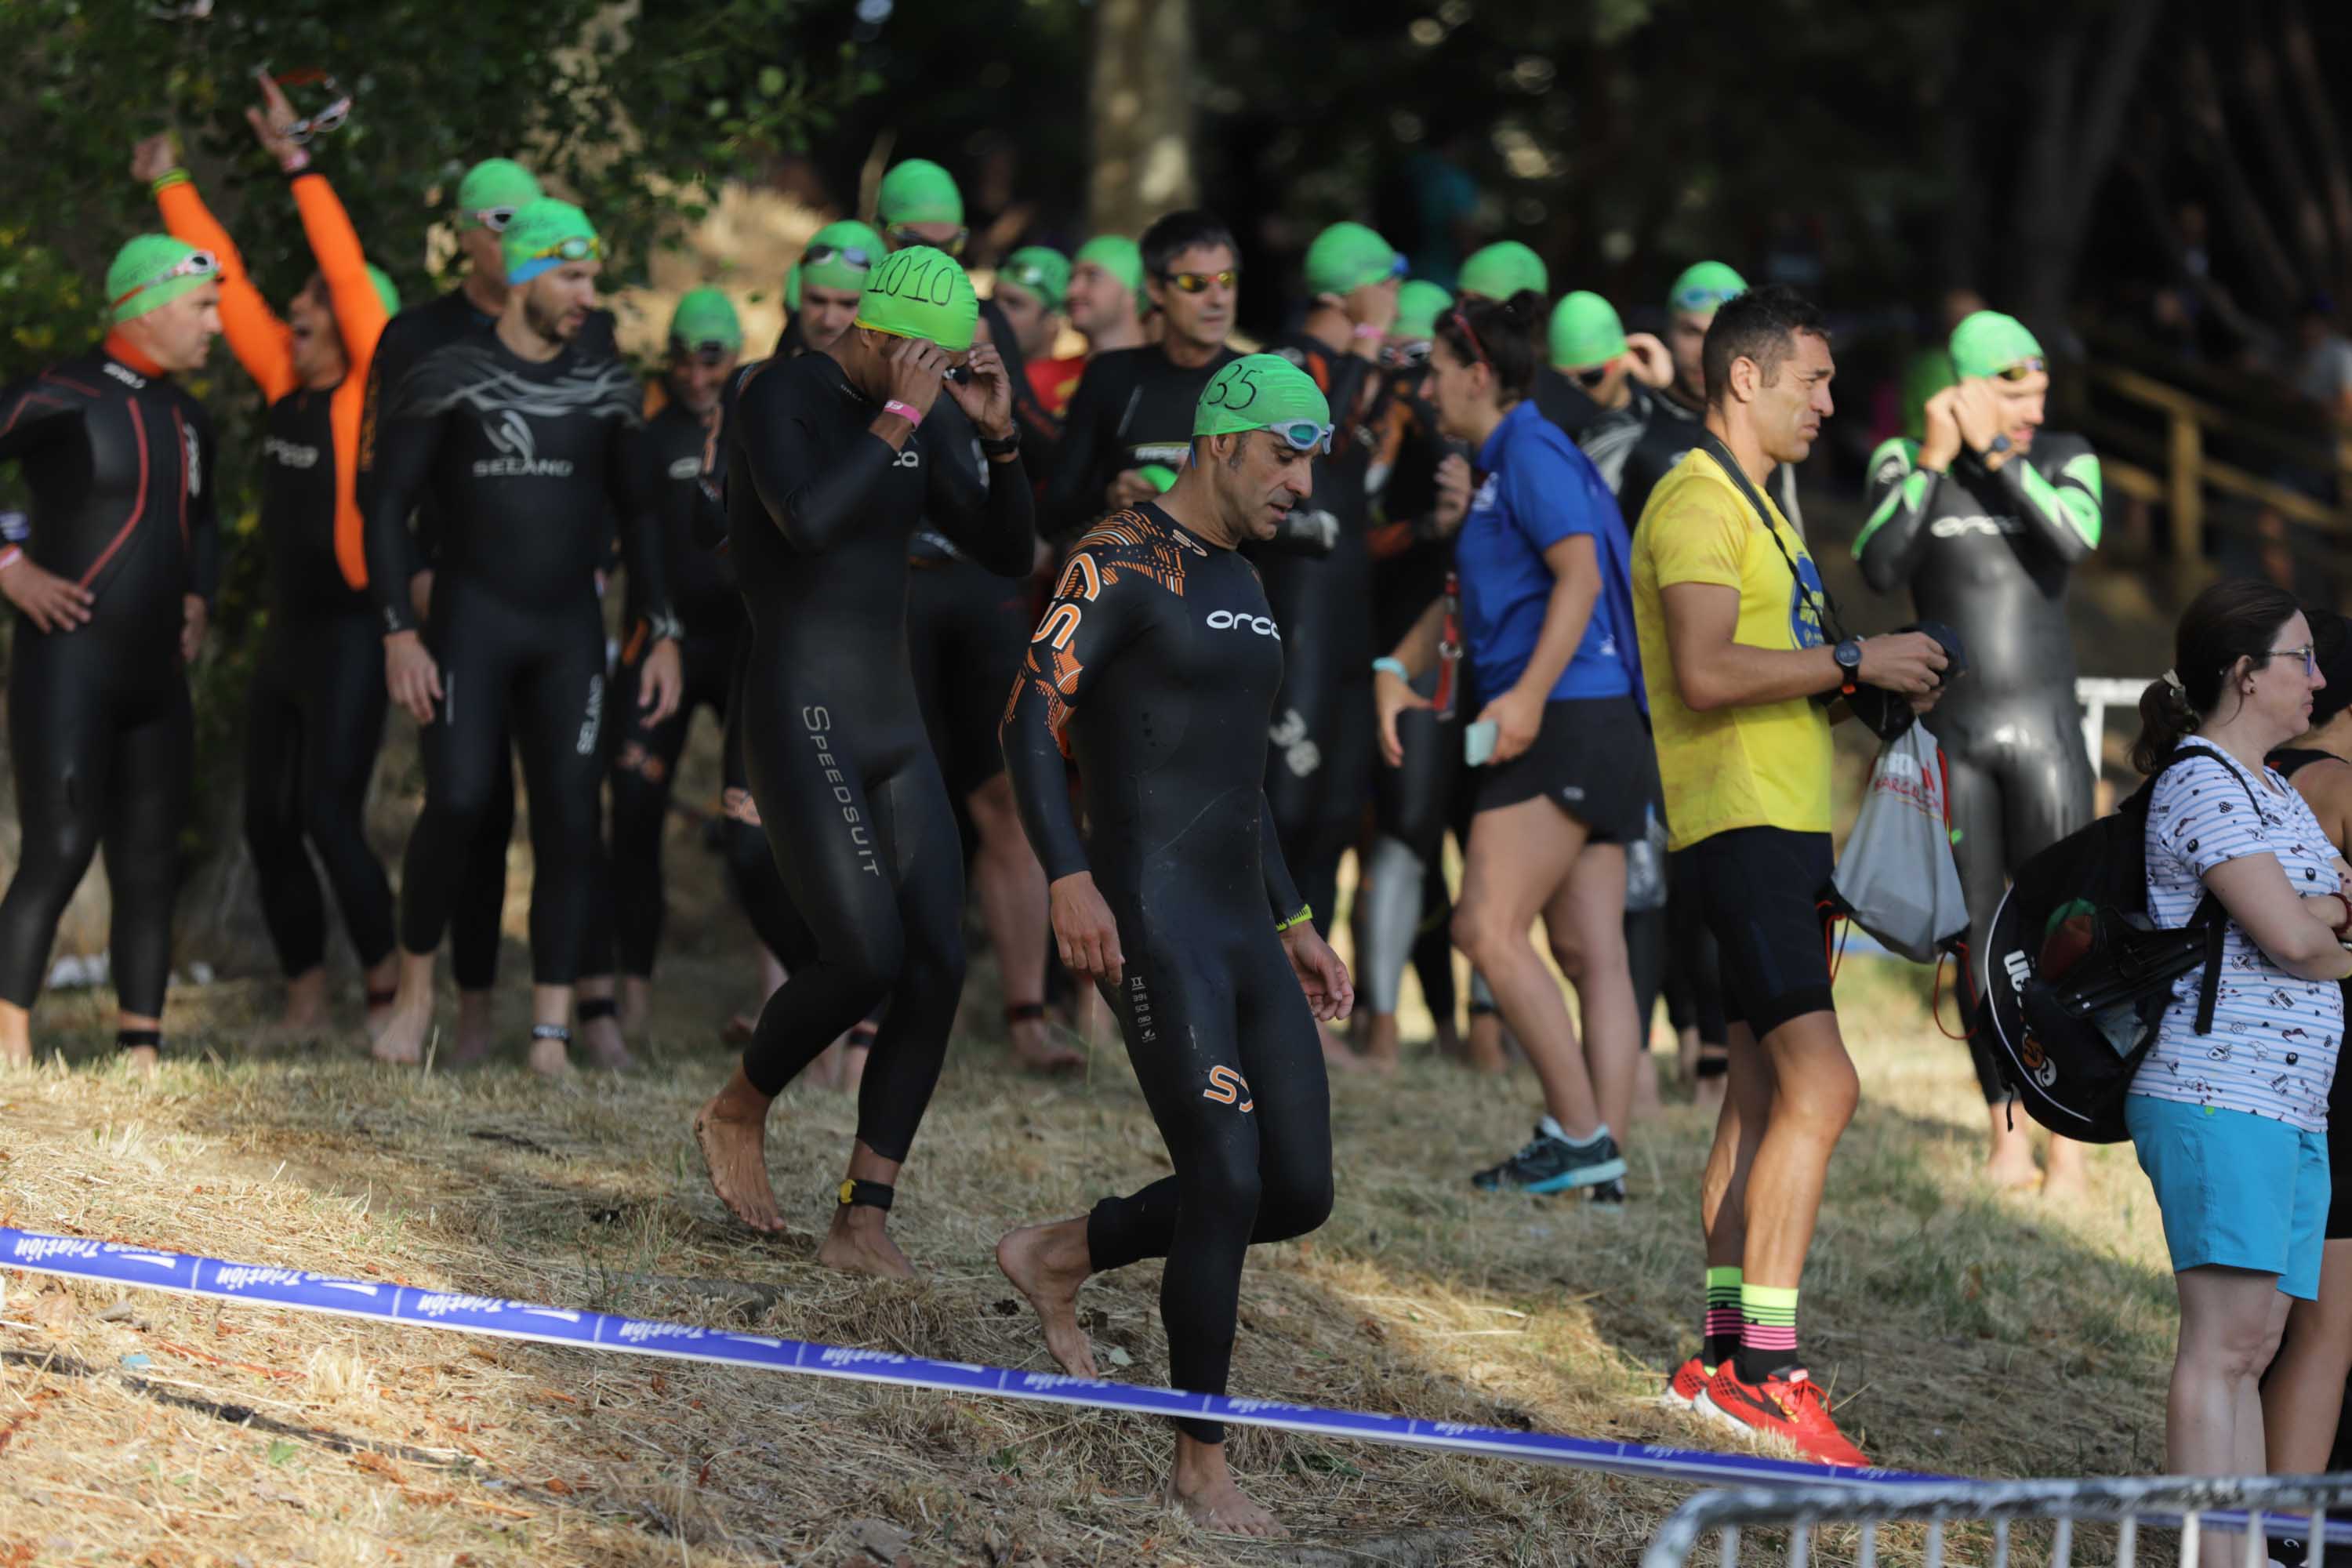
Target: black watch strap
[1004, 447]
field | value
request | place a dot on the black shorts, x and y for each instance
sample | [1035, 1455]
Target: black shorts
[1593, 757]
[1761, 892]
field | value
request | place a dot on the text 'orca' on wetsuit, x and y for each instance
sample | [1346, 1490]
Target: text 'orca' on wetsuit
[1987, 553]
[529, 461]
[820, 513]
[1157, 666]
[119, 461]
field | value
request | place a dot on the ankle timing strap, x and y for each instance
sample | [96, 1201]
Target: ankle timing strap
[1024, 1012]
[131, 1039]
[862, 1033]
[596, 1007]
[551, 1032]
[867, 1195]
[1711, 1064]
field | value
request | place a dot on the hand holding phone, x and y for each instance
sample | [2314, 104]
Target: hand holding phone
[1478, 741]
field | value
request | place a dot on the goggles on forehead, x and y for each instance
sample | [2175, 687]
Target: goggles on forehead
[1026, 276]
[1407, 356]
[331, 118]
[902, 236]
[195, 264]
[495, 219]
[2022, 369]
[708, 351]
[1200, 282]
[573, 248]
[852, 256]
[1702, 299]
[1302, 435]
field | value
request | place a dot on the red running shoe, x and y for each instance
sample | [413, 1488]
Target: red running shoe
[1790, 1407]
[1687, 1383]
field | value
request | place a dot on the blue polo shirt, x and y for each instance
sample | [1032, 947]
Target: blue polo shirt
[1538, 491]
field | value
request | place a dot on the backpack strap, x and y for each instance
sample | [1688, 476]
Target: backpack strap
[2208, 913]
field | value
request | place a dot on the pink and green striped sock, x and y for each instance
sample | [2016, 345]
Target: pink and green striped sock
[1768, 1330]
[1720, 1333]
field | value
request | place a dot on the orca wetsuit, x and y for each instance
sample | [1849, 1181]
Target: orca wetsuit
[530, 462]
[101, 735]
[1156, 667]
[1988, 551]
[820, 513]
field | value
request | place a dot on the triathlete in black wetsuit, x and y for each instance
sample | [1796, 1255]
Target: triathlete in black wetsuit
[1320, 765]
[487, 197]
[111, 593]
[532, 449]
[1983, 522]
[625, 921]
[1133, 409]
[1156, 667]
[826, 482]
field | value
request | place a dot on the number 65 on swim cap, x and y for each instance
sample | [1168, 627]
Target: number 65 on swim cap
[920, 292]
[1265, 392]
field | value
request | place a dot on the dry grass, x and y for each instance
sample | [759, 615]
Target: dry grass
[1963, 1331]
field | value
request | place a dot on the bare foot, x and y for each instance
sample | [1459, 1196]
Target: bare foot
[1336, 1054]
[305, 1012]
[1708, 1093]
[858, 1244]
[605, 1046]
[732, 1134]
[550, 1057]
[1648, 1107]
[1482, 1047]
[143, 1061]
[1048, 1263]
[1383, 1045]
[1036, 1051]
[637, 1002]
[475, 1033]
[737, 1030]
[1449, 1039]
[401, 1038]
[2008, 1165]
[1203, 1487]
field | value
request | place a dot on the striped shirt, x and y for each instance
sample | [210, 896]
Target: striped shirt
[2273, 1049]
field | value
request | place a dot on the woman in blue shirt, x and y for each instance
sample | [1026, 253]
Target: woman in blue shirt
[1547, 619]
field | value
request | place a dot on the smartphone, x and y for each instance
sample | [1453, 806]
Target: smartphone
[1478, 742]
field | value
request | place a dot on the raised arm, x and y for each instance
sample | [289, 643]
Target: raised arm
[256, 335]
[813, 507]
[1896, 531]
[2063, 507]
[359, 315]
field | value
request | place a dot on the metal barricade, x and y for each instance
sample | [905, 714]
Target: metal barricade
[2290, 1505]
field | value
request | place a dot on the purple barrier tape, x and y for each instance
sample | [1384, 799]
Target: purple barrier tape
[77, 1258]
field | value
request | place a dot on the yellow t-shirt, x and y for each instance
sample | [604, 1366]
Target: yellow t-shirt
[1765, 766]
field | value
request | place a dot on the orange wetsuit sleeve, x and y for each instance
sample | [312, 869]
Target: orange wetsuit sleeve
[359, 321]
[256, 335]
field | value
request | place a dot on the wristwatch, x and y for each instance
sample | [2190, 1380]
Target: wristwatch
[1000, 446]
[1849, 662]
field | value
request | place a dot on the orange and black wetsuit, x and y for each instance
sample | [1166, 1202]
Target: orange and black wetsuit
[315, 714]
[101, 737]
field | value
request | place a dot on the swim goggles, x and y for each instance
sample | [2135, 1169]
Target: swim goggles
[495, 219]
[2022, 369]
[1700, 298]
[338, 110]
[856, 255]
[1302, 435]
[571, 247]
[902, 237]
[195, 264]
[1199, 283]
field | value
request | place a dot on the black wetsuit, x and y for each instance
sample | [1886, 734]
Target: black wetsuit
[1670, 430]
[1157, 665]
[314, 716]
[1132, 408]
[820, 513]
[1987, 553]
[625, 929]
[101, 733]
[531, 462]
[1319, 578]
[477, 914]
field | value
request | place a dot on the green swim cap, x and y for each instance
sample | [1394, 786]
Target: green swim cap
[1258, 391]
[1123, 259]
[793, 286]
[538, 232]
[920, 292]
[494, 182]
[1504, 269]
[918, 191]
[706, 316]
[1159, 476]
[1419, 304]
[1349, 256]
[384, 289]
[841, 241]
[1926, 373]
[1703, 285]
[1041, 269]
[154, 270]
[1585, 332]
[1988, 342]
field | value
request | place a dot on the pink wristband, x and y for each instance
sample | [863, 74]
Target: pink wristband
[906, 411]
[10, 556]
[1366, 329]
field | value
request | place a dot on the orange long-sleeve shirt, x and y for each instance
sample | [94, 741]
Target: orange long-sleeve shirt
[264, 345]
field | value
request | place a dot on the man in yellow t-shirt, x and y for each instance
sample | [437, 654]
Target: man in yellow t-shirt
[1730, 609]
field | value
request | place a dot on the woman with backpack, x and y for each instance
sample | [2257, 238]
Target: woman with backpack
[2231, 1125]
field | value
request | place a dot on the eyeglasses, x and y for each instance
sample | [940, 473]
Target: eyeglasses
[901, 237]
[1591, 377]
[1200, 282]
[571, 247]
[1302, 435]
[338, 110]
[495, 219]
[2309, 653]
[856, 257]
[195, 264]
[2021, 370]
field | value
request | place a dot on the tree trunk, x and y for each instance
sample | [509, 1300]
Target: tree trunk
[2319, 123]
[1142, 113]
[2242, 214]
[2266, 106]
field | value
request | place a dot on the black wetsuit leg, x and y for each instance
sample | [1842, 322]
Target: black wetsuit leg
[313, 726]
[477, 917]
[1433, 948]
[2012, 798]
[1410, 805]
[102, 741]
[1250, 1167]
[752, 873]
[643, 772]
[870, 858]
[966, 631]
[1645, 957]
